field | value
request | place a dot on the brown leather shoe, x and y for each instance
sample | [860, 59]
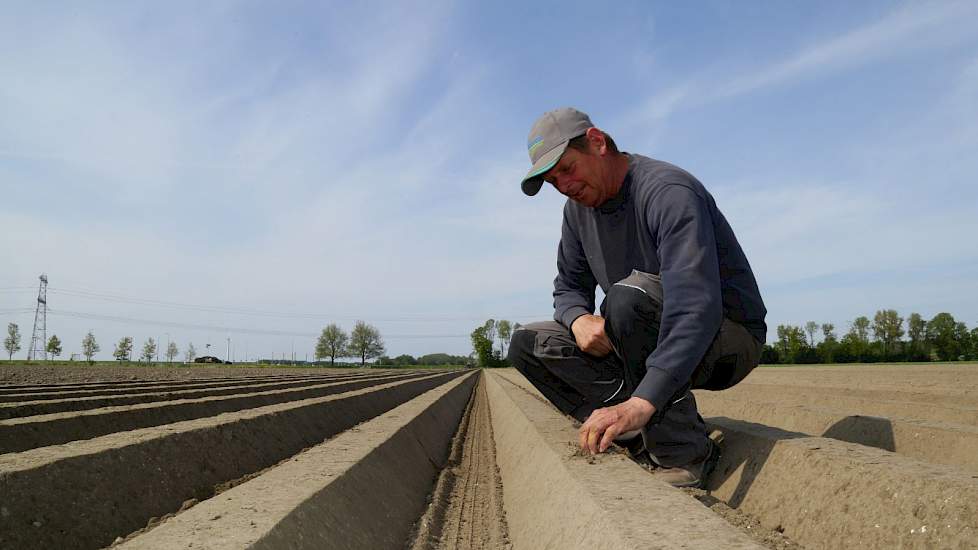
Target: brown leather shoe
[692, 475]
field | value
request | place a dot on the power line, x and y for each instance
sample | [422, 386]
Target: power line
[16, 310]
[194, 326]
[119, 298]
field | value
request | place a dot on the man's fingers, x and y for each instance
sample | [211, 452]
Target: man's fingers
[590, 434]
[604, 346]
[609, 435]
[598, 347]
[592, 441]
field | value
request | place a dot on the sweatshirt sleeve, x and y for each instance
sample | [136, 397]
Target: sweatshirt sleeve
[574, 284]
[692, 306]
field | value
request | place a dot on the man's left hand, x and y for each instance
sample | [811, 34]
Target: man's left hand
[604, 425]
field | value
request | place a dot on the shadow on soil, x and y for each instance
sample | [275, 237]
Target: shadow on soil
[747, 446]
[872, 431]
[746, 449]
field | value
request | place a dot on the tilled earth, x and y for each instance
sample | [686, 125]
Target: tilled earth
[226, 457]
[466, 509]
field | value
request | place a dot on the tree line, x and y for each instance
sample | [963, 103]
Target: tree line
[431, 359]
[888, 337]
[364, 342]
[90, 346]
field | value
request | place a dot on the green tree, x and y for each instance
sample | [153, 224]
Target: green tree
[404, 360]
[190, 354]
[12, 342]
[365, 342]
[54, 345]
[791, 343]
[482, 346]
[916, 331]
[887, 329]
[90, 347]
[860, 329]
[171, 351]
[123, 349]
[974, 344]
[856, 341]
[332, 343]
[828, 347]
[944, 335]
[505, 332]
[149, 350]
[770, 355]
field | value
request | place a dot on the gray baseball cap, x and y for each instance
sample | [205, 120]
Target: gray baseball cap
[548, 140]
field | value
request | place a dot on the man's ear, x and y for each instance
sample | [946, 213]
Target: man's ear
[595, 139]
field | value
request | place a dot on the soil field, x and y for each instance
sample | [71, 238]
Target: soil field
[217, 457]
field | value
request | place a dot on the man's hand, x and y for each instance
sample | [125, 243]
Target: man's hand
[590, 336]
[604, 425]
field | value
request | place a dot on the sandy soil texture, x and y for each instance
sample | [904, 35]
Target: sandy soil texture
[466, 509]
[770, 538]
[873, 457]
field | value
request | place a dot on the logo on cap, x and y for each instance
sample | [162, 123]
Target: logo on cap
[538, 141]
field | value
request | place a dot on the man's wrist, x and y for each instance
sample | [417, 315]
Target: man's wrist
[642, 405]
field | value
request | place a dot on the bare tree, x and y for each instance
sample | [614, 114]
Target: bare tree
[811, 328]
[190, 354]
[505, 332]
[171, 351]
[828, 332]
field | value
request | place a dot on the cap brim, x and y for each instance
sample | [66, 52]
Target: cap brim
[533, 180]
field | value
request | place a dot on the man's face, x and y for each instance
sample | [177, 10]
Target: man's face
[581, 177]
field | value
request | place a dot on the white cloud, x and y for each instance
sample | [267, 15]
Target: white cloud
[914, 27]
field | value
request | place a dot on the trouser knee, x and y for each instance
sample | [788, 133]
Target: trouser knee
[521, 348]
[636, 299]
[633, 312]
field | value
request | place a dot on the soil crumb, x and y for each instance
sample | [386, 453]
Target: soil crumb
[466, 508]
[774, 539]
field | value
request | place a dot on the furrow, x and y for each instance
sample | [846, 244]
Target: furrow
[37, 388]
[86, 493]
[362, 489]
[34, 408]
[133, 390]
[21, 434]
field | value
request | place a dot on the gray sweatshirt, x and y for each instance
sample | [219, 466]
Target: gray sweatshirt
[661, 221]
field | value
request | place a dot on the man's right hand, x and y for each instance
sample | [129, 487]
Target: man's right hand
[590, 336]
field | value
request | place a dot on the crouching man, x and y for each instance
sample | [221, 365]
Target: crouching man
[682, 309]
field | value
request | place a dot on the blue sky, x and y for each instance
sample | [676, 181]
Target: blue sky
[282, 166]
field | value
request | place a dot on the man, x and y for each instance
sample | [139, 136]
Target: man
[681, 309]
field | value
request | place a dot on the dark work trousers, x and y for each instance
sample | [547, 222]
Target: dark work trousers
[578, 383]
